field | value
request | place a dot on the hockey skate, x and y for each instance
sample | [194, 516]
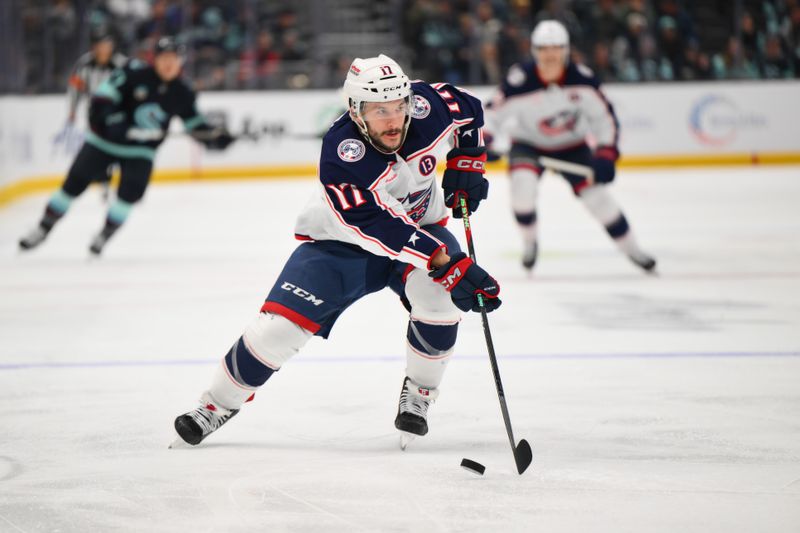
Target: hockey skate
[644, 261]
[529, 255]
[101, 239]
[412, 411]
[34, 238]
[201, 422]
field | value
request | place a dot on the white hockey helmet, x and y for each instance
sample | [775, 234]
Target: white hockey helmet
[376, 79]
[550, 33]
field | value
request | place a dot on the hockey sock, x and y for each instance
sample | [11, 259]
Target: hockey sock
[57, 206]
[118, 212]
[244, 367]
[527, 226]
[429, 349]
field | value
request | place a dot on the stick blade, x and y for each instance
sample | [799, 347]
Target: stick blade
[523, 455]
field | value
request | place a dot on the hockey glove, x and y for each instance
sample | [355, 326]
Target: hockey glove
[604, 163]
[465, 280]
[215, 139]
[464, 177]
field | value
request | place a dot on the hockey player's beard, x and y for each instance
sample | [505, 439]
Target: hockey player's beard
[380, 145]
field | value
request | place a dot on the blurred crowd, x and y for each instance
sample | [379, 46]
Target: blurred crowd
[622, 40]
[256, 44]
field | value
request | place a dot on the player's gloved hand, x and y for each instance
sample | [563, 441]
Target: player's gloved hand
[604, 164]
[464, 177]
[219, 142]
[465, 280]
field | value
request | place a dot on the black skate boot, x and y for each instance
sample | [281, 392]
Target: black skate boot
[412, 411]
[644, 261]
[530, 254]
[34, 238]
[101, 239]
[198, 424]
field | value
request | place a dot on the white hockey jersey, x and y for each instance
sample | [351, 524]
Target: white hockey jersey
[555, 116]
[380, 201]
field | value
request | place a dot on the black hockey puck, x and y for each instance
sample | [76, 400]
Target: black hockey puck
[473, 466]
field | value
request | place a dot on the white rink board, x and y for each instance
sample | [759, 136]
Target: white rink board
[652, 404]
[656, 120]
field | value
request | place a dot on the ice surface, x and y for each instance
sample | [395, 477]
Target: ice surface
[667, 403]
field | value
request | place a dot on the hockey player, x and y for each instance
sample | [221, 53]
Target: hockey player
[129, 116]
[550, 105]
[376, 220]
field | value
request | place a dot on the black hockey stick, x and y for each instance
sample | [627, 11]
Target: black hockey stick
[522, 451]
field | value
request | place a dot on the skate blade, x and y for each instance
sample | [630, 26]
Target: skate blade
[405, 439]
[179, 444]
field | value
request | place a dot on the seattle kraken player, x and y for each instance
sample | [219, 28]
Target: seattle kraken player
[129, 116]
[550, 105]
[376, 220]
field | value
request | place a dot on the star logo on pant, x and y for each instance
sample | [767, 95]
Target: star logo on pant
[413, 240]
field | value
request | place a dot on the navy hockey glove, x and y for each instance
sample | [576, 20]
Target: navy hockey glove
[604, 163]
[465, 280]
[464, 177]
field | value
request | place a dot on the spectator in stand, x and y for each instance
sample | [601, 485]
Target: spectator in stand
[750, 40]
[673, 48]
[165, 19]
[775, 64]
[488, 34]
[259, 63]
[601, 61]
[732, 63]
[61, 22]
[605, 23]
[790, 31]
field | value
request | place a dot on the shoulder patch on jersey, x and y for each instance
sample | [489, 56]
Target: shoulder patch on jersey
[586, 71]
[421, 107]
[516, 76]
[351, 150]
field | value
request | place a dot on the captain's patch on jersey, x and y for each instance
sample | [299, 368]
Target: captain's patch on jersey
[351, 150]
[421, 108]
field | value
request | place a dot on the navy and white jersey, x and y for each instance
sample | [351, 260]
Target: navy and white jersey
[130, 112]
[378, 201]
[88, 74]
[553, 117]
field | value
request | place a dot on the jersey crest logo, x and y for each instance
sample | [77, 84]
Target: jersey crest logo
[563, 122]
[421, 107]
[351, 150]
[140, 92]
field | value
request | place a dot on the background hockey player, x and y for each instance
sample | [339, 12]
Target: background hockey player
[377, 220]
[549, 106]
[129, 118]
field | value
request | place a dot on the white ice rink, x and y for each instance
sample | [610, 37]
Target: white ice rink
[653, 404]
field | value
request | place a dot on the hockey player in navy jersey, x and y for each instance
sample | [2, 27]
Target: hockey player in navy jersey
[548, 107]
[376, 220]
[129, 117]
